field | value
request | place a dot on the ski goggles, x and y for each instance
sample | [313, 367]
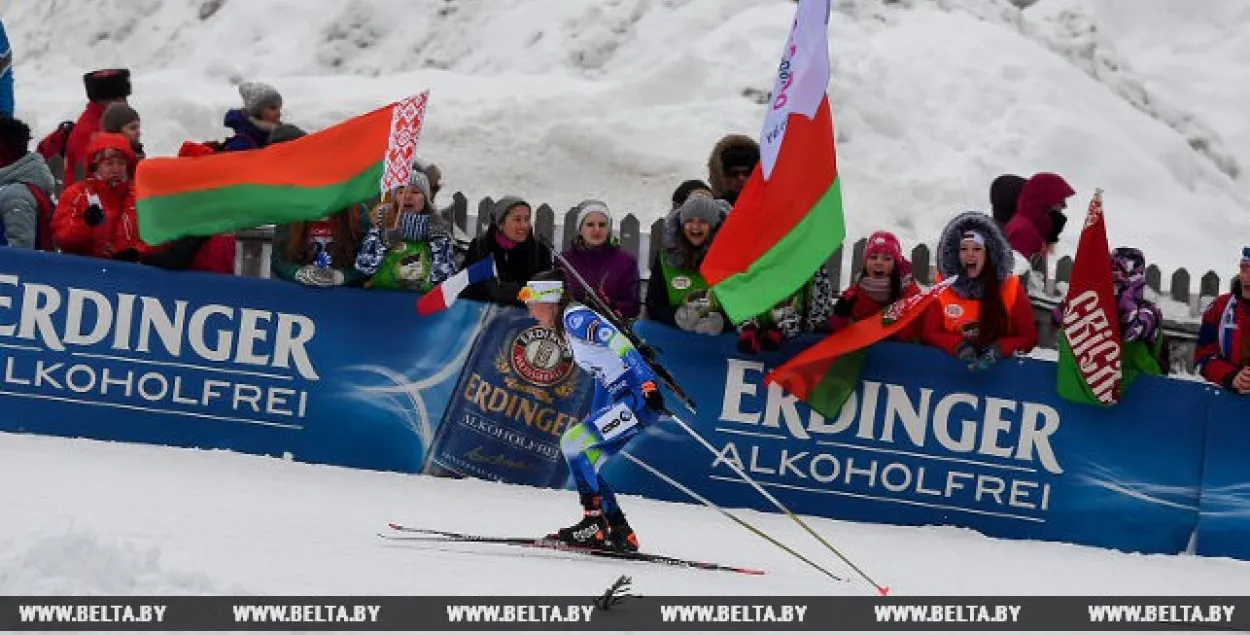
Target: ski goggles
[542, 291]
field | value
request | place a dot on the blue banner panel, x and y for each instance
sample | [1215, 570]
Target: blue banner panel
[924, 441]
[117, 351]
[519, 392]
[1224, 517]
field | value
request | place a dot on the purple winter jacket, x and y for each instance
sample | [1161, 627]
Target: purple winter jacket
[612, 271]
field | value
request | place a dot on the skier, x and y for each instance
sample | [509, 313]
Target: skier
[627, 399]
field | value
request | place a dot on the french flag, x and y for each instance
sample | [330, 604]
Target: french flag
[444, 295]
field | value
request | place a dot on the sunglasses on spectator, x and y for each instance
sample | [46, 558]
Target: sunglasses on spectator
[738, 173]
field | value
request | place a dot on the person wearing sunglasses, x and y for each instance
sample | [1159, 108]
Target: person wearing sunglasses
[731, 164]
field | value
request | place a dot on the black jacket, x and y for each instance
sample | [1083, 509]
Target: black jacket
[515, 266]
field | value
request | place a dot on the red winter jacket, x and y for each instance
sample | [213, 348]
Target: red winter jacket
[864, 307]
[1027, 230]
[217, 255]
[118, 231]
[77, 154]
[1221, 349]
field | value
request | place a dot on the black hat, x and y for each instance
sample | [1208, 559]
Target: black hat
[739, 156]
[683, 191]
[1004, 192]
[108, 83]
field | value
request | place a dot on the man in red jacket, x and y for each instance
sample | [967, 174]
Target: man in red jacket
[103, 88]
[1222, 355]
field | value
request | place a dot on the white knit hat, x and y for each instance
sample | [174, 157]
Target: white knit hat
[257, 96]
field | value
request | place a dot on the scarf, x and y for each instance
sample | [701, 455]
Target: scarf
[877, 289]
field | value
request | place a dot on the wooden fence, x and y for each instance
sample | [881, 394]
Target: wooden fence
[255, 249]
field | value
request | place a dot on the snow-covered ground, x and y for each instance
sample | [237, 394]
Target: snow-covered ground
[622, 99]
[88, 517]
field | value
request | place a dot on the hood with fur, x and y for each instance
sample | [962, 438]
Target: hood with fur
[997, 250]
[715, 167]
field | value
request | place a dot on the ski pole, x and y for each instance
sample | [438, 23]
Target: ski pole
[752, 528]
[883, 590]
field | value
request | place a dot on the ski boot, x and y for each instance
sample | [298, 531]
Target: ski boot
[591, 532]
[620, 536]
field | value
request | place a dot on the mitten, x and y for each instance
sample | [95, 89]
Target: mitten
[771, 339]
[94, 215]
[749, 341]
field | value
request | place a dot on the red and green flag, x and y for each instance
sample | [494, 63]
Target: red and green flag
[825, 375]
[1090, 350]
[301, 180]
[788, 219]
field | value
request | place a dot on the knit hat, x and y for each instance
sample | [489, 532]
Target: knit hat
[503, 206]
[117, 116]
[739, 156]
[972, 236]
[1004, 193]
[108, 83]
[286, 132]
[257, 96]
[883, 243]
[684, 190]
[420, 181]
[702, 208]
[1245, 256]
[591, 206]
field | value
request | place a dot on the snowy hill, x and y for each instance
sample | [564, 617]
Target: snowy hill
[622, 99]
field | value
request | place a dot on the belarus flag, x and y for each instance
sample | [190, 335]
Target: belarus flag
[788, 219]
[445, 294]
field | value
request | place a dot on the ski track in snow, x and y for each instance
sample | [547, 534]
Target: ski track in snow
[91, 517]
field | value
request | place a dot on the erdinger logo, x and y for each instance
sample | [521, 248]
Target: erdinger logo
[539, 355]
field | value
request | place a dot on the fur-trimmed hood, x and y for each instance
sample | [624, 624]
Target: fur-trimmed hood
[715, 165]
[674, 248]
[997, 249]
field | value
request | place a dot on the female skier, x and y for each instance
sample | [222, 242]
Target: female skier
[626, 400]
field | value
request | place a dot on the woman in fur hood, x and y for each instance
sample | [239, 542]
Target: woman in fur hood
[986, 314]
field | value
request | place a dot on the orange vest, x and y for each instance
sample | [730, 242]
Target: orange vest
[959, 312]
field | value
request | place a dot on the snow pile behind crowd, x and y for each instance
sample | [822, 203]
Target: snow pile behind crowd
[622, 99]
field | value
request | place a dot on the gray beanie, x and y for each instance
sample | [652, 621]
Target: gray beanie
[116, 116]
[591, 206]
[501, 208]
[286, 132]
[257, 96]
[421, 182]
[700, 207]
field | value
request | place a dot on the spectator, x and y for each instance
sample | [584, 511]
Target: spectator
[1222, 355]
[319, 253]
[677, 294]
[210, 254]
[256, 120]
[120, 118]
[90, 213]
[986, 314]
[409, 245]
[1141, 321]
[885, 279]
[1004, 195]
[730, 166]
[687, 189]
[104, 87]
[1039, 218]
[26, 190]
[600, 261]
[518, 254]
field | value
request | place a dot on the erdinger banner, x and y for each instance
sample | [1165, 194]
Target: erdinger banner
[924, 441]
[119, 351]
[519, 391]
[1224, 517]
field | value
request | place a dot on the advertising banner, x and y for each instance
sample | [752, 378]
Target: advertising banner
[519, 391]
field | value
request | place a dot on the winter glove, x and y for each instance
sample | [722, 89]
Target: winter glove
[844, 306]
[989, 357]
[967, 353]
[94, 215]
[771, 339]
[313, 276]
[710, 324]
[749, 341]
[652, 396]
[838, 322]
